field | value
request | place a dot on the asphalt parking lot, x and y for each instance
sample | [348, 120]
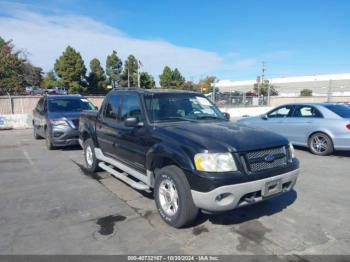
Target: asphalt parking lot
[49, 205]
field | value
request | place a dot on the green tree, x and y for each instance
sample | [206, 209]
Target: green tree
[129, 75]
[166, 77]
[189, 85]
[50, 80]
[262, 88]
[114, 68]
[11, 69]
[96, 79]
[306, 92]
[171, 79]
[71, 70]
[32, 75]
[147, 81]
[178, 81]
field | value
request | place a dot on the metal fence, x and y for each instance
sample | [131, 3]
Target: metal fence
[26, 104]
[233, 100]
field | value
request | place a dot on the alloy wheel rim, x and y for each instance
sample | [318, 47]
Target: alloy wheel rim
[168, 197]
[319, 144]
[88, 155]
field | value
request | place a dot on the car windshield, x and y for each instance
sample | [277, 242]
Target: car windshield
[341, 110]
[69, 105]
[168, 107]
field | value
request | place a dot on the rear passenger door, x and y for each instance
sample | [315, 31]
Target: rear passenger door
[107, 125]
[303, 122]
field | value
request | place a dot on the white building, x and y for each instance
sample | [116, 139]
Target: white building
[321, 85]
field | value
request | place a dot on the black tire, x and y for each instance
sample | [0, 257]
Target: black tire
[35, 134]
[186, 210]
[91, 167]
[48, 141]
[326, 142]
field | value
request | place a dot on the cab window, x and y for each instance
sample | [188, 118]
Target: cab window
[284, 111]
[111, 111]
[131, 107]
[307, 111]
[40, 105]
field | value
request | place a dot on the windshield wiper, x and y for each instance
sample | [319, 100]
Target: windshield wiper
[208, 117]
[174, 118]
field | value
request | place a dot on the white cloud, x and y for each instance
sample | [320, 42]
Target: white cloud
[45, 37]
[244, 63]
[232, 54]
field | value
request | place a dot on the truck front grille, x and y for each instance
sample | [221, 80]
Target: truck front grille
[266, 159]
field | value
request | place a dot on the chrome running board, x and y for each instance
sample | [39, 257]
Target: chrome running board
[147, 178]
[123, 177]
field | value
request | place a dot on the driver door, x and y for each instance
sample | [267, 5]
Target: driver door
[277, 118]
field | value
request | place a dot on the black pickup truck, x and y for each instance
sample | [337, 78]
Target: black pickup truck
[179, 144]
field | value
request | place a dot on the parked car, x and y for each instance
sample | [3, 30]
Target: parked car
[322, 127]
[56, 118]
[179, 144]
[34, 91]
[58, 90]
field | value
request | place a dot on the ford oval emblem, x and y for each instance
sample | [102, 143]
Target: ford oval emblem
[269, 158]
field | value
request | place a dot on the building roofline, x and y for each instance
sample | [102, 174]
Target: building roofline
[292, 79]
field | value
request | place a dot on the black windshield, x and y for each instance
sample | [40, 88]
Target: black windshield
[180, 107]
[341, 110]
[69, 105]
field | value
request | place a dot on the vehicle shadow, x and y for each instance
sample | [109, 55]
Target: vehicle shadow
[244, 214]
[71, 148]
[335, 153]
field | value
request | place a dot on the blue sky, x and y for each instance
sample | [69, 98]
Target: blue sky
[228, 39]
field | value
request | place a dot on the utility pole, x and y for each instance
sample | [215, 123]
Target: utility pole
[263, 69]
[213, 92]
[138, 77]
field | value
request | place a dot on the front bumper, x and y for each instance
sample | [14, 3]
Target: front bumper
[64, 137]
[232, 196]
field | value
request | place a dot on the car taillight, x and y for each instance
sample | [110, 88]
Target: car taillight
[348, 126]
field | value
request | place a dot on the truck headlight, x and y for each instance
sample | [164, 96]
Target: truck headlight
[59, 122]
[291, 150]
[215, 162]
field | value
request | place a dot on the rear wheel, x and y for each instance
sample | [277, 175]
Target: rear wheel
[321, 144]
[35, 134]
[89, 156]
[173, 197]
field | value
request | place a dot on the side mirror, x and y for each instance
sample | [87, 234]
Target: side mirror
[265, 117]
[133, 122]
[227, 115]
[96, 107]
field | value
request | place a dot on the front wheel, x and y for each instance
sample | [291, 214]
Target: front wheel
[173, 197]
[48, 141]
[321, 144]
[89, 156]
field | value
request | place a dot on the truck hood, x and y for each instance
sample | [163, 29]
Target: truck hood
[221, 136]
